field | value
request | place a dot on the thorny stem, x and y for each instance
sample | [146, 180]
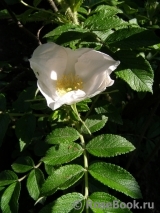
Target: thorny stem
[84, 155]
[53, 5]
[35, 8]
[73, 106]
[86, 170]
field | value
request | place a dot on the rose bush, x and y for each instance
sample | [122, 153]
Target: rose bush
[68, 76]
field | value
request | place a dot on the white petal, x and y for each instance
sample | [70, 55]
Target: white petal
[94, 62]
[48, 58]
[69, 98]
[72, 58]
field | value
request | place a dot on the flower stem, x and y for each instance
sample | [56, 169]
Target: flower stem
[86, 170]
[73, 106]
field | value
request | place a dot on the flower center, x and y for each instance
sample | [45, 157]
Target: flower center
[68, 83]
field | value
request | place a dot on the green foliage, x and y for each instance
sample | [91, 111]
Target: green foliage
[9, 199]
[7, 177]
[94, 123]
[66, 202]
[23, 164]
[104, 198]
[64, 153]
[62, 135]
[63, 177]
[34, 182]
[53, 152]
[116, 178]
[109, 146]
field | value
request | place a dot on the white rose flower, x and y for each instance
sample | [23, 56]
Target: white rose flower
[68, 76]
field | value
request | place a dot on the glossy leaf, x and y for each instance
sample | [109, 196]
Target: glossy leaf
[9, 199]
[103, 22]
[109, 145]
[94, 123]
[34, 183]
[64, 153]
[62, 178]
[136, 71]
[23, 164]
[72, 202]
[7, 177]
[62, 135]
[116, 178]
[101, 202]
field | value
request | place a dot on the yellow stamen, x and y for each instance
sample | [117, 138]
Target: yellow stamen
[68, 83]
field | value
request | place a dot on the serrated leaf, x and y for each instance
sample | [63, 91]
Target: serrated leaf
[62, 178]
[59, 30]
[9, 199]
[132, 38]
[109, 145]
[94, 123]
[107, 10]
[34, 183]
[136, 71]
[105, 203]
[25, 128]
[4, 122]
[7, 177]
[23, 164]
[62, 135]
[14, 199]
[116, 178]
[64, 153]
[103, 22]
[72, 202]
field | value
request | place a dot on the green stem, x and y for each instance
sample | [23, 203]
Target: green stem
[86, 170]
[73, 106]
[35, 8]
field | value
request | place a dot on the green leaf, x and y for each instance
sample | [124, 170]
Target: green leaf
[116, 178]
[4, 122]
[109, 145]
[34, 183]
[25, 128]
[2, 102]
[94, 123]
[132, 38]
[72, 202]
[64, 153]
[59, 30]
[7, 177]
[107, 10]
[23, 164]
[62, 135]
[103, 22]
[62, 178]
[105, 203]
[136, 71]
[9, 199]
